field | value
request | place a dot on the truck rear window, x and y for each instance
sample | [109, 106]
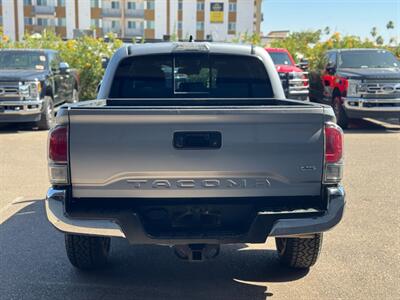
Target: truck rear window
[191, 76]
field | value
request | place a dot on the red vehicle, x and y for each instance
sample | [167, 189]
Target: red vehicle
[294, 79]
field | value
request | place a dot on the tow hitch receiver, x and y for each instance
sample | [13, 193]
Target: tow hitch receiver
[196, 252]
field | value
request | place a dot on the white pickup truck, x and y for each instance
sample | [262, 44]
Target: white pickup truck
[194, 145]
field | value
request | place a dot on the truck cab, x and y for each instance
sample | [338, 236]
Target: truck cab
[294, 77]
[358, 83]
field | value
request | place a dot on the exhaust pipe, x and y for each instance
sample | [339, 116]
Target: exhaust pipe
[196, 252]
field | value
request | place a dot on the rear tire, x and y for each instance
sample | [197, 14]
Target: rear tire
[87, 252]
[47, 116]
[341, 117]
[299, 253]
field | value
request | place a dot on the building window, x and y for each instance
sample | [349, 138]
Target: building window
[232, 26]
[200, 26]
[95, 23]
[131, 5]
[61, 2]
[61, 22]
[232, 6]
[1, 20]
[28, 21]
[94, 3]
[200, 6]
[27, 2]
[149, 24]
[41, 2]
[114, 4]
[180, 25]
[131, 24]
[180, 5]
[115, 24]
[43, 22]
[150, 4]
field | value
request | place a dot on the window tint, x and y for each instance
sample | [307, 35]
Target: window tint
[368, 59]
[332, 58]
[54, 61]
[191, 75]
[280, 58]
[22, 60]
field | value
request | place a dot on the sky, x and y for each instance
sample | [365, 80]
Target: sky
[353, 17]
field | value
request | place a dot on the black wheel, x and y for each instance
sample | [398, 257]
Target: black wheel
[299, 253]
[47, 116]
[87, 252]
[341, 117]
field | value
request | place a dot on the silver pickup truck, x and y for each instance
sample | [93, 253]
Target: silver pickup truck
[194, 145]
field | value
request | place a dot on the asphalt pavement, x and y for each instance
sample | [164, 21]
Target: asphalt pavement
[360, 257]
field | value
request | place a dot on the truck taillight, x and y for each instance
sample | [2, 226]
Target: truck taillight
[58, 144]
[58, 155]
[333, 153]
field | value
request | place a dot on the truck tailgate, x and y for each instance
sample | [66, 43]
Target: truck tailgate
[171, 152]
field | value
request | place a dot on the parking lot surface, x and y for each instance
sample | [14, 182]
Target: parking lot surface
[360, 257]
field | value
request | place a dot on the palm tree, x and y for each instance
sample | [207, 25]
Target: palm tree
[390, 25]
[374, 32]
[379, 40]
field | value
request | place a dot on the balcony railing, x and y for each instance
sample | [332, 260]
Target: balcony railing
[134, 13]
[130, 32]
[111, 12]
[44, 10]
[116, 30]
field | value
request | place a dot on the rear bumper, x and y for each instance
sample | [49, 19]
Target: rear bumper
[266, 223]
[20, 111]
[371, 108]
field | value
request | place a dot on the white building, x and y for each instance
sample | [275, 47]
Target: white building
[218, 20]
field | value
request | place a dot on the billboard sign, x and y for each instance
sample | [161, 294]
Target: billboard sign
[217, 12]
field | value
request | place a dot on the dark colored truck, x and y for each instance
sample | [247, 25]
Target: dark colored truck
[358, 83]
[32, 84]
[194, 145]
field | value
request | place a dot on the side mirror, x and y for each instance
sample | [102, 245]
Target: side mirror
[64, 68]
[303, 64]
[104, 62]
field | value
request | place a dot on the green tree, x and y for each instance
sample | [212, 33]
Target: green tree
[374, 32]
[390, 25]
[379, 40]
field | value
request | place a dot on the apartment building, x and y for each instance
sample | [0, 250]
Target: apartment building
[218, 20]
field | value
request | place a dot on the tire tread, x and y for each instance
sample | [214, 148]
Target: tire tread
[301, 253]
[86, 252]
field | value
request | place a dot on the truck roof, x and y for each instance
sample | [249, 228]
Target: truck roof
[277, 50]
[355, 49]
[170, 47]
[29, 50]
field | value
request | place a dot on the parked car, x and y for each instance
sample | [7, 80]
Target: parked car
[32, 83]
[219, 158]
[358, 83]
[294, 77]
